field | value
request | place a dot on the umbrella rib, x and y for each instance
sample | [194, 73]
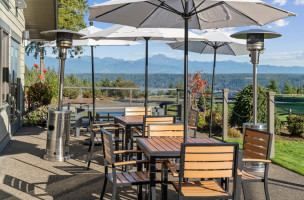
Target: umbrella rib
[204, 47]
[231, 49]
[200, 27]
[194, 8]
[112, 10]
[172, 9]
[183, 4]
[157, 6]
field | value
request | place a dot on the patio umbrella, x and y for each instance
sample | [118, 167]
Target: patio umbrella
[195, 14]
[218, 42]
[93, 43]
[134, 34]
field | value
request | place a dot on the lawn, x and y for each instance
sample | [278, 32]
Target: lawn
[296, 108]
[288, 154]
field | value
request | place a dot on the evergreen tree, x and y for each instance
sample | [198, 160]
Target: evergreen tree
[171, 92]
[273, 86]
[301, 90]
[295, 89]
[287, 89]
[71, 15]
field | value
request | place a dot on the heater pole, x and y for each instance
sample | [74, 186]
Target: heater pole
[62, 57]
[255, 94]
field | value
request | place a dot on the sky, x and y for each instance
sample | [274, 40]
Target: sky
[287, 50]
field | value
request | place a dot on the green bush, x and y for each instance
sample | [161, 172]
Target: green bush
[87, 94]
[243, 106]
[40, 94]
[71, 93]
[204, 120]
[295, 125]
[38, 116]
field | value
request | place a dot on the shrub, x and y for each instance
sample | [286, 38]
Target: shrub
[38, 116]
[71, 93]
[234, 133]
[87, 94]
[201, 122]
[295, 125]
[243, 106]
[40, 93]
[204, 120]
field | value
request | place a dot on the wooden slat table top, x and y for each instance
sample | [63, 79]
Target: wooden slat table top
[132, 120]
[168, 147]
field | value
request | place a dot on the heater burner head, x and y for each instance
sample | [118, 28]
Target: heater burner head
[63, 37]
[255, 37]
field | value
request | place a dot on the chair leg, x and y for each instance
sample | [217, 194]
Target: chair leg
[90, 152]
[104, 188]
[244, 191]
[114, 189]
[139, 192]
[147, 192]
[266, 189]
[194, 134]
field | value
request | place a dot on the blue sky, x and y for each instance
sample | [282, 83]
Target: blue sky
[285, 51]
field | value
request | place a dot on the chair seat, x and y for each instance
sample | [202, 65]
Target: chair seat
[201, 189]
[250, 177]
[159, 166]
[131, 177]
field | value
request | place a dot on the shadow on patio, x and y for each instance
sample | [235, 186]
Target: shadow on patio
[25, 175]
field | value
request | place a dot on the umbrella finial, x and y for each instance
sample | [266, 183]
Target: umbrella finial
[91, 23]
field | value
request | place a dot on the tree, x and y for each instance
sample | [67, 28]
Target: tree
[295, 89]
[243, 109]
[171, 92]
[71, 15]
[301, 90]
[287, 89]
[273, 86]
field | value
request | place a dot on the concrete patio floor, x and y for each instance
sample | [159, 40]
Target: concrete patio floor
[25, 175]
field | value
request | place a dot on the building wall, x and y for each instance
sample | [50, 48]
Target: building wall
[12, 21]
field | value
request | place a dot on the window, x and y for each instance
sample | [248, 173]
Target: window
[4, 67]
[14, 77]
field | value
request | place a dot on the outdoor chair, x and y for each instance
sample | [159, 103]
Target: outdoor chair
[256, 148]
[137, 111]
[121, 179]
[173, 109]
[93, 128]
[208, 162]
[147, 120]
[193, 120]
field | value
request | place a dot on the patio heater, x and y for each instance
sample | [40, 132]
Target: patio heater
[255, 44]
[58, 126]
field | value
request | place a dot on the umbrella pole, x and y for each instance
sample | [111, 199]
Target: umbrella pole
[93, 81]
[212, 93]
[255, 92]
[186, 18]
[146, 75]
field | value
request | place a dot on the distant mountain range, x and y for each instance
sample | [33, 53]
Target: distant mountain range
[159, 64]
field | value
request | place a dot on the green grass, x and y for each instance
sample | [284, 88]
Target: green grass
[288, 154]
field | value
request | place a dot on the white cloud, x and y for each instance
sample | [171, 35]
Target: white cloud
[269, 26]
[280, 2]
[299, 2]
[229, 30]
[281, 23]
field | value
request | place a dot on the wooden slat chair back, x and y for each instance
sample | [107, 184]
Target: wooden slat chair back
[136, 111]
[165, 130]
[210, 161]
[256, 144]
[193, 120]
[156, 120]
[118, 178]
[256, 148]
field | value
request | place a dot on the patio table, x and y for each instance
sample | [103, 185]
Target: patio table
[163, 148]
[128, 122]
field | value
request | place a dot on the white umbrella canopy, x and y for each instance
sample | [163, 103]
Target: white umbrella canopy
[218, 42]
[122, 32]
[204, 14]
[193, 14]
[93, 43]
[134, 34]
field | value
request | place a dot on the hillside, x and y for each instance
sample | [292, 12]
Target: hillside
[160, 64]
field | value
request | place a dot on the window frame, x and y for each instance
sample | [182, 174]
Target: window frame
[4, 64]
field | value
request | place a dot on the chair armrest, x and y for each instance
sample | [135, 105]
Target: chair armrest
[136, 131]
[128, 151]
[132, 162]
[255, 160]
[239, 172]
[192, 127]
[106, 124]
[172, 168]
